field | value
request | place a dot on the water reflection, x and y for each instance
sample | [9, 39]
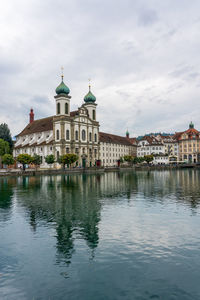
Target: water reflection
[6, 198]
[72, 204]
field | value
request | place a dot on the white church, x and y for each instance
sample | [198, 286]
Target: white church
[72, 132]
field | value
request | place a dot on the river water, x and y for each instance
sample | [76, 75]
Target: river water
[133, 235]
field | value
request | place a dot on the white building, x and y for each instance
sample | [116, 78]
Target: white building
[150, 145]
[72, 132]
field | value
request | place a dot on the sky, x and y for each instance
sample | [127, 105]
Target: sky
[143, 58]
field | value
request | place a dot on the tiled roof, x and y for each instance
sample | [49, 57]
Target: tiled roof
[114, 139]
[40, 125]
[190, 132]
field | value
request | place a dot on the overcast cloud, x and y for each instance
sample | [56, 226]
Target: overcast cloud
[142, 56]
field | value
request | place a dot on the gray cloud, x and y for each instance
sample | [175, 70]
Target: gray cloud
[142, 56]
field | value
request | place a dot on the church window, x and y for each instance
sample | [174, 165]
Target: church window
[76, 150]
[67, 134]
[67, 150]
[83, 135]
[57, 134]
[58, 108]
[93, 114]
[66, 108]
[76, 135]
[95, 137]
[90, 136]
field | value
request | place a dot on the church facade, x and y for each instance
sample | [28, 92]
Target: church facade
[72, 132]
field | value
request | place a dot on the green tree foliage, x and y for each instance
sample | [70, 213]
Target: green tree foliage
[68, 159]
[50, 159]
[5, 134]
[4, 147]
[148, 158]
[36, 160]
[128, 158]
[24, 159]
[8, 159]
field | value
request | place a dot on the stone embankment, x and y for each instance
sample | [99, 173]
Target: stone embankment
[33, 172]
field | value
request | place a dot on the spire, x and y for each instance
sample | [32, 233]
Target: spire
[31, 116]
[127, 134]
[62, 75]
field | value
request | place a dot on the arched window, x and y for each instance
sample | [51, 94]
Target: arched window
[58, 108]
[57, 134]
[67, 134]
[76, 135]
[83, 135]
[90, 136]
[93, 114]
[95, 137]
[66, 108]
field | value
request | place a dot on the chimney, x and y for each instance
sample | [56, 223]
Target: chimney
[31, 116]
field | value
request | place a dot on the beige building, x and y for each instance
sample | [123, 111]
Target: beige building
[189, 145]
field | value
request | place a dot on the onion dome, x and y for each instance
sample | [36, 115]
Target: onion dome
[89, 98]
[62, 88]
[191, 125]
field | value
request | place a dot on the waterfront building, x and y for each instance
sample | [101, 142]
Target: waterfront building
[171, 146]
[148, 145]
[72, 132]
[188, 144]
[113, 147]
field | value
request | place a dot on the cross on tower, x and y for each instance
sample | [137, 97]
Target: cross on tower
[62, 69]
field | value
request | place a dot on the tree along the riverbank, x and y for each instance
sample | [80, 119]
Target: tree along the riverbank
[24, 159]
[50, 159]
[36, 160]
[8, 159]
[4, 149]
[68, 159]
[6, 135]
[137, 160]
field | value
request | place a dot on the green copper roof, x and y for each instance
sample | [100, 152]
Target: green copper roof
[127, 132]
[89, 97]
[62, 89]
[191, 125]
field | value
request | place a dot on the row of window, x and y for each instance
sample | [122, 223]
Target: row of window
[83, 135]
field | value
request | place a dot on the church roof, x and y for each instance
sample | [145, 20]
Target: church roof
[114, 139]
[41, 125]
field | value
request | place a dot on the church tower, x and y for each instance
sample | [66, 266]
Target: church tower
[61, 121]
[90, 104]
[62, 99]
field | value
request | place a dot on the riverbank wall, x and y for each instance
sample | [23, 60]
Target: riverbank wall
[33, 172]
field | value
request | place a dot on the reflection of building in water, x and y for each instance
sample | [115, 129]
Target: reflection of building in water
[72, 204]
[6, 198]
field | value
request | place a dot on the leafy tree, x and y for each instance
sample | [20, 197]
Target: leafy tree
[68, 159]
[50, 159]
[121, 159]
[128, 158]
[148, 158]
[5, 134]
[8, 159]
[24, 159]
[4, 149]
[36, 160]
